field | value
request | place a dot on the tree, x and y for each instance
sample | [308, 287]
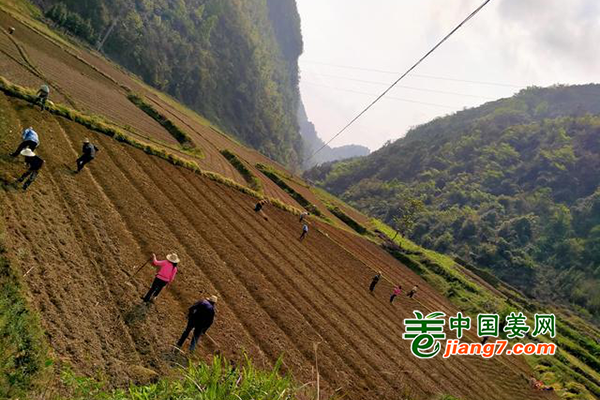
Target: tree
[405, 214]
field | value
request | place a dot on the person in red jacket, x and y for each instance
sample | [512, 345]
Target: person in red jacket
[395, 293]
[167, 269]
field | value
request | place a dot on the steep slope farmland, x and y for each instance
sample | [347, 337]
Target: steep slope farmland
[77, 238]
[95, 85]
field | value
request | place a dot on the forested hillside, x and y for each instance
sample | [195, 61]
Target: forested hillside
[233, 61]
[511, 185]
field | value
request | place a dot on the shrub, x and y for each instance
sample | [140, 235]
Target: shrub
[72, 22]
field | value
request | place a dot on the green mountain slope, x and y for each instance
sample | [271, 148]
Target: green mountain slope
[511, 185]
[233, 61]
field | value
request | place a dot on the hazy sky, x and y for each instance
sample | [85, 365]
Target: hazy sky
[510, 42]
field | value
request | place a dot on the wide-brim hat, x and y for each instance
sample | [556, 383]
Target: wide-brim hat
[173, 258]
[86, 140]
[27, 152]
[213, 299]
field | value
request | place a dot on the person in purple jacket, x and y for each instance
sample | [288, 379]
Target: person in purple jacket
[200, 317]
[167, 269]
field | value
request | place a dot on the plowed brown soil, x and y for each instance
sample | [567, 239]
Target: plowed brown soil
[78, 238]
[97, 86]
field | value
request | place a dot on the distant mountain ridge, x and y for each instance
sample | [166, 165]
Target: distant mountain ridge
[512, 185]
[312, 142]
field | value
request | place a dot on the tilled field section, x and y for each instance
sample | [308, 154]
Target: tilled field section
[88, 89]
[78, 238]
[96, 85]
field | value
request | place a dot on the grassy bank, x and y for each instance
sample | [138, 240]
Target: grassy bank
[166, 123]
[220, 380]
[279, 181]
[21, 340]
[23, 353]
[252, 180]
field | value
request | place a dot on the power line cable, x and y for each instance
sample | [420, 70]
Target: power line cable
[387, 97]
[406, 87]
[441, 78]
[403, 75]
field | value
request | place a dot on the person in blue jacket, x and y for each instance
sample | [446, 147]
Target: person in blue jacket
[200, 317]
[30, 141]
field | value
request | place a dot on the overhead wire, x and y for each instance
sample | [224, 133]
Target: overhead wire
[404, 87]
[441, 78]
[403, 75]
[387, 97]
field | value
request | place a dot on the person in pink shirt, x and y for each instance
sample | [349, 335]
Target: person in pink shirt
[167, 269]
[397, 291]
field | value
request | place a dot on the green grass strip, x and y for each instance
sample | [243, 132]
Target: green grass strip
[179, 135]
[220, 380]
[274, 176]
[22, 344]
[248, 175]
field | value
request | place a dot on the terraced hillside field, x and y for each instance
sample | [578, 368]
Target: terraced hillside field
[85, 81]
[77, 238]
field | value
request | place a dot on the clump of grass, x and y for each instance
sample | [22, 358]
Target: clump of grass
[274, 176]
[166, 123]
[22, 343]
[220, 380]
[248, 175]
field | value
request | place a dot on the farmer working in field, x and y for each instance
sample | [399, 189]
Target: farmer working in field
[374, 281]
[165, 275]
[89, 153]
[304, 232]
[42, 96]
[538, 385]
[200, 317]
[259, 206]
[304, 215]
[413, 291]
[34, 163]
[30, 140]
[258, 209]
[396, 292]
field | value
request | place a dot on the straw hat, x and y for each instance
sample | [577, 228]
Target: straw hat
[173, 258]
[86, 140]
[213, 299]
[27, 152]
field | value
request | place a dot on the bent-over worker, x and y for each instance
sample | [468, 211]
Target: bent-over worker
[200, 317]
